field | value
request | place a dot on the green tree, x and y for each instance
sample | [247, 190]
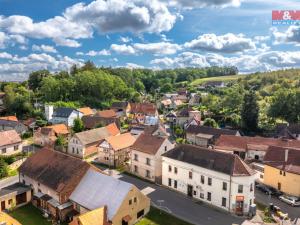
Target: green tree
[35, 78]
[210, 123]
[60, 141]
[3, 168]
[250, 112]
[78, 125]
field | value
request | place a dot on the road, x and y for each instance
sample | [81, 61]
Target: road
[294, 212]
[8, 181]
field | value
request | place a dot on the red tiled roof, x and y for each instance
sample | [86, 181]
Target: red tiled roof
[9, 118]
[106, 113]
[145, 108]
[9, 137]
[86, 111]
[148, 144]
[59, 128]
[113, 129]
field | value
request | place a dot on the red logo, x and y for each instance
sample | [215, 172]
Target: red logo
[286, 15]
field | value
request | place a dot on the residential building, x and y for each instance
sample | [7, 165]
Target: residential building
[125, 203]
[206, 136]
[251, 148]
[53, 176]
[143, 109]
[217, 178]
[115, 150]
[185, 115]
[85, 144]
[121, 108]
[101, 118]
[10, 142]
[47, 135]
[6, 219]
[62, 115]
[146, 156]
[288, 131]
[14, 196]
[86, 111]
[194, 99]
[94, 217]
[282, 169]
[12, 123]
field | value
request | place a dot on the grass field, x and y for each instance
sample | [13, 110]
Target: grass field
[222, 78]
[155, 217]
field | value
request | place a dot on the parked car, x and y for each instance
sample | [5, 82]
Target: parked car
[275, 192]
[294, 201]
[264, 189]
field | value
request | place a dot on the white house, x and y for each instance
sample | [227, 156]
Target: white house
[62, 115]
[146, 156]
[10, 142]
[217, 178]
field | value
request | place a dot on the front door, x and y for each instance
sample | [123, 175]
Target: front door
[190, 190]
[2, 205]
[239, 207]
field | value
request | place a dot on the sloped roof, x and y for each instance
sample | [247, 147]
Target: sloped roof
[106, 113]
[145, 108]
[54, 169]
[58, 128]
[9, 118]
[276, 157]
[86, 111]
[148, 144]
[194, 129]
[113, 129]
[106, 191]
[9, 137]
[119, 105]
[63, 112]
[92, 136]
[121, 141]
[218, 161]
[94, 217]
[239, 143]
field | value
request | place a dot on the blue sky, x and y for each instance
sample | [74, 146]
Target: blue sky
[154, 34]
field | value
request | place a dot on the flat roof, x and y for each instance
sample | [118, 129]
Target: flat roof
[15, 189]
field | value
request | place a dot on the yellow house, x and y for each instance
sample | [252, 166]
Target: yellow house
[282, 169]
[7, 219]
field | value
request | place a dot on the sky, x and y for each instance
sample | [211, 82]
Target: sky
[156, 34]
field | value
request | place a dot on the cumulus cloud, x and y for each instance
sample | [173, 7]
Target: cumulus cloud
[228, 43]
[44, 48]
[6, 39]
[291, 35]
[103, 52]
[123, 49]
[125, 39]
[5, 55]
[190, 4]
[134, 66]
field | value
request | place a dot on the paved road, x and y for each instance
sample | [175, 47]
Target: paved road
[294, 212]
[8, 181]
[184, 207]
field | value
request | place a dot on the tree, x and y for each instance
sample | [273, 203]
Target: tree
[210, 123]
[78, 125]
[3, 168]
[35, 78]
[60, 141]
[250, 112]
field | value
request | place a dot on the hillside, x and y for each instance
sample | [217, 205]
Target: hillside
[219, 78]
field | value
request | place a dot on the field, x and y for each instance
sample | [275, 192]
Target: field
[222, 78]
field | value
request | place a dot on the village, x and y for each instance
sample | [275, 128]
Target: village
[118, 165]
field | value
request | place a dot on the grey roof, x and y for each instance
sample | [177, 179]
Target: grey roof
[96, 190]
[8, 123]
[195, 129]
[63, 112]
[92, 136]
[15, 189]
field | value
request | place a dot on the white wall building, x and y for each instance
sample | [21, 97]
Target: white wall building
[10, 142]
[216, 178]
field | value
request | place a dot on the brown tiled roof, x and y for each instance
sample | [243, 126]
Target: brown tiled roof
[239, 143]
[121, 141]
[113, 129]
[119, 105]
[92, 136]
[286, 159]
[148, 144]
[86, 111]
[106, 113]
[58, 128]
[56, 170]
[222, 162]
[9, 137]
[94, 121]
[145, 108]
[9, 118]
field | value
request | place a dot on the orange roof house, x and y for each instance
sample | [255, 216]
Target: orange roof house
[9, 118]
[94, 217]
[113, 129]
[107, 113]
[86, 111]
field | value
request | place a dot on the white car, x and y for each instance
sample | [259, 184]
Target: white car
[294, 201]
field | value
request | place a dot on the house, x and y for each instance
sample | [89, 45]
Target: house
[124, 202]
[194, 99]
[282, 169]
[85, 144]
[143, 109]
[146, 156]
[14, 196]
[30, 123]
[156, 130]
[184, 115]
[12, 123]
[62, 115]
[6, 219]
[94, 217]
[288, 131]
[121, 108]
[251, 148]
[47, 135]
[53, 176]
[206, 136]
[86, 111]
[10, 142]
[115, 150]
[171, 117]
[101, 118]
[217, 178]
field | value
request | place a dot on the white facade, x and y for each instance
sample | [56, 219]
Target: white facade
[49, 112]
[76, 148]
[69, 121]
[11, 149]
[194, 181]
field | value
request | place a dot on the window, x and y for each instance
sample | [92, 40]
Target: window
[170, 182]
[16, 147]
[130, 201]
[136, 157]
[10, 201]
[135, 169]
[280, 172]
[202, 195]
[148, 173]
[170, 168]
[134, 199]
[224, 186]
[175, 170]
[166, 148]
[191, 175]
[148, 161]
[209, 181]
[240, 188]
[224, 202]
[279, 186]
[140, 214]
[3, 150]
[77, 151]
[73, 150]
[250, 202]
[251, 187]
[283, 173]
[208, 196]
[175, 183]
[202, 179]
[195, 192]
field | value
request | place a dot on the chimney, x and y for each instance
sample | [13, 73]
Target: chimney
[286, 155]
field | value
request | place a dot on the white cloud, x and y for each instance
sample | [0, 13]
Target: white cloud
[103, 52]
[228, 43]
[5, 55]
[190, 4]
[291, 35]
[6, 39]
[44, 48]
[67, 42]
[123, 49]
[134, 66]
[125, 39]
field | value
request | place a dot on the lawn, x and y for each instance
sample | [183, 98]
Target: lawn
[29, 215]
[155, 217]
[221, 78]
